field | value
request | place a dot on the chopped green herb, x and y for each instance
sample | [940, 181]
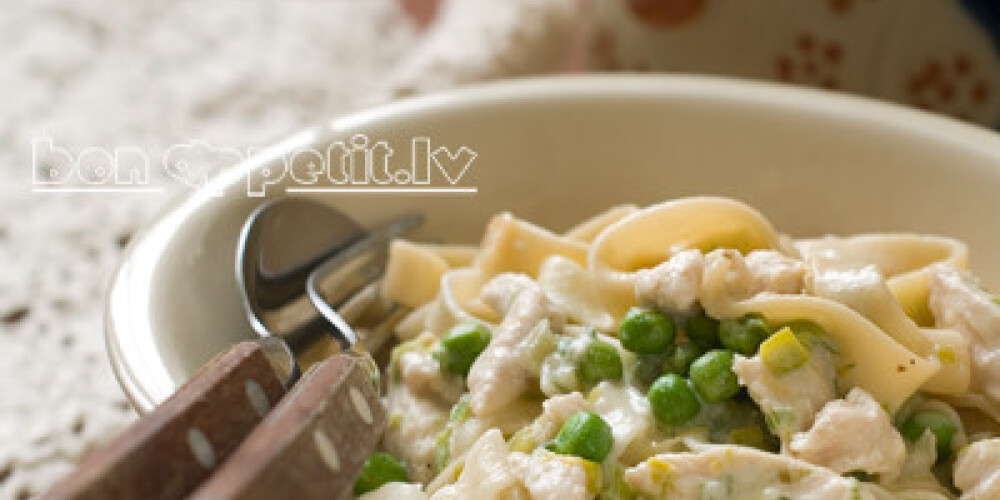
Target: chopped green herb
[523, 440]
[379, 469]
[541, 342]
[460, 412]
[779, 420]
[783, 353]
[442, 449]
[813, 335]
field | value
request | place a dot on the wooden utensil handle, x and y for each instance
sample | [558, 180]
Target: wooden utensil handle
[169, 452]
[312, 445]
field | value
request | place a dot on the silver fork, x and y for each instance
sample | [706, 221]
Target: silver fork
[247, 425]
[309, 274]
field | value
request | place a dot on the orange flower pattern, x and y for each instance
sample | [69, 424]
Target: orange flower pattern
[666, 13]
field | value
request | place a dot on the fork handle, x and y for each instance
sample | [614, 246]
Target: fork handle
[312, 445]
[170, 451]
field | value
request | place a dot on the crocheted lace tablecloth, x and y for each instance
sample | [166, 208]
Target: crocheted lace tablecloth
[234, 73]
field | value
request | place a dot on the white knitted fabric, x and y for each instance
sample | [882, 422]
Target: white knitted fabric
[235, 73]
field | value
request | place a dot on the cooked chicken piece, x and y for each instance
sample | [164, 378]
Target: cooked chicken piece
[413, 428]
[499, 375]
[789, 401]
[724, 471]
[977, 470]
[853, 434]
[486, 474]
[724, 280]
[957, 302]
[547, 476]
[673, 285]
[775, 272]
[423, 375]
[729, 277]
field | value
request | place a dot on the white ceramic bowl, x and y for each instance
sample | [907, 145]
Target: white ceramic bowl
[555, 150]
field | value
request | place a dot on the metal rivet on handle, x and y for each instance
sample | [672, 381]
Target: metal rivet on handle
[201, 448]
[257, 398]
[361, 406]
[326, 450]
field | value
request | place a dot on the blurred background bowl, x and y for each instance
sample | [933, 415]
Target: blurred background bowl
[554, 151]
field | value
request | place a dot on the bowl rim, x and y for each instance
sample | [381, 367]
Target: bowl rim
[141, 372]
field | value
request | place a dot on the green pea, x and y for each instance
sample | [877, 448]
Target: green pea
[745, 334]
[461, 346]
[679, 361]
[712, 376]
[585, 435]
[599, 361]
[938, 423]
[379, 469]
[673, 401]
[703, 330]
[648, 368]
[646, 332]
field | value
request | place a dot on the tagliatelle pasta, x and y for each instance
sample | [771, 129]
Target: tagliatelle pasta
[587, 231]
[513, 245]
[571, 288]
[649, 236]
[413, 276]
[689, 351]
[903, 258]
[953, 352]
[458, 300]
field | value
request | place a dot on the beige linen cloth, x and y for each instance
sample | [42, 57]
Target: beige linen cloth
[149, 74]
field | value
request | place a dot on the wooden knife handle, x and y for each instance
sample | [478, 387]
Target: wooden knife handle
[312, 445]
[168, 453]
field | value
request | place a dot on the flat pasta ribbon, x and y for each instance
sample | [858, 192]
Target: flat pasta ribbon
[652, 235]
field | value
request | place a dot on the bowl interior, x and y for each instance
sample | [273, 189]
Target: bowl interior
[557, 150]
